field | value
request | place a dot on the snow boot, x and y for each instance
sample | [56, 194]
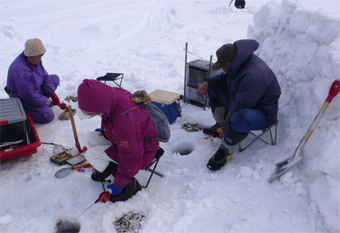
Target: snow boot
[127, 192]
[109, 170]
[229, 143]
[219, 114]
[213, 130]
[219, 159]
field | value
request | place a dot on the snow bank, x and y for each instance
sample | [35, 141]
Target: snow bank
[303, 48]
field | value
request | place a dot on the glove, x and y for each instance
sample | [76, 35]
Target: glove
[114, 189]
[63, 106]
[55, 99]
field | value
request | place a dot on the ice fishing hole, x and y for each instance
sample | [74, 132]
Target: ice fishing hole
[64, 226]
[184, 148]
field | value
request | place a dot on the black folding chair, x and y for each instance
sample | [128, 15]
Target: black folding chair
[152, 167]
[272, 132]
[114, 77]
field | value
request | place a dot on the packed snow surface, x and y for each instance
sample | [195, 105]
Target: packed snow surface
[145, 40]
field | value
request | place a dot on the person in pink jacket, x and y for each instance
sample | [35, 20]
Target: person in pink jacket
[122, 147]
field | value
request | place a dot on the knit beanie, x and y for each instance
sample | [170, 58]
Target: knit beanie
[34, 47]
[95, 96]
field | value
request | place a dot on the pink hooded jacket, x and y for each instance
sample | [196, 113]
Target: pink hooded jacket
[127, 133]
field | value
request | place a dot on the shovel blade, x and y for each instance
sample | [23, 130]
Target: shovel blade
[284, 166]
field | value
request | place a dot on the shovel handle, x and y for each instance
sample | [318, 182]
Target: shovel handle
[333, 91]
[283, 166]
[74, 128]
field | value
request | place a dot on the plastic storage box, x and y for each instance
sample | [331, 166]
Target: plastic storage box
[18, 134]
[168, 102]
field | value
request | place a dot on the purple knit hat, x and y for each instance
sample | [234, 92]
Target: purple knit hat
[95, 97]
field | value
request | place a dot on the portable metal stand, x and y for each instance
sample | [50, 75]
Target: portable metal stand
[154, 163]
[258, 137]
[194, 74]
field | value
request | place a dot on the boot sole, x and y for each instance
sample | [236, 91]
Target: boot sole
[215, 167]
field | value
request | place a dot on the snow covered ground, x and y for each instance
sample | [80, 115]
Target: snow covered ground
[145, 40]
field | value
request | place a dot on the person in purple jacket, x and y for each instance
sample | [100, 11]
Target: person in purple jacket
[28, 80]
[122, 147]
[242, 98]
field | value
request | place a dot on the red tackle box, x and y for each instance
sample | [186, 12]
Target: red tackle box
[18, 136]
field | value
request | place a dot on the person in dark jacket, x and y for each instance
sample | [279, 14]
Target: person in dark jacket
[242, 98]
[28, 80]
[240, 4]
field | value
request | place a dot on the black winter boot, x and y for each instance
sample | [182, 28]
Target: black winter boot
[213, 130]
[219, 159]
[219, 113]
[128, 191]
[109, 170]
[229, 143]
[232, 137]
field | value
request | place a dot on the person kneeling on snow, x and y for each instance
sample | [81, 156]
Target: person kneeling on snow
[242, 98]
[28, 80]
[122, 148]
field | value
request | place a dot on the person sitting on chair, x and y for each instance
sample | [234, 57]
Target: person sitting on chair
[125, 142]
[28, 80]
[242, 98]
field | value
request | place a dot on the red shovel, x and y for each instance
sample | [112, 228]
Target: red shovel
[283, 166]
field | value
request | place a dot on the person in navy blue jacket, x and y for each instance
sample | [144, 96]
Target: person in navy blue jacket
[242, 98]
[240, 4]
